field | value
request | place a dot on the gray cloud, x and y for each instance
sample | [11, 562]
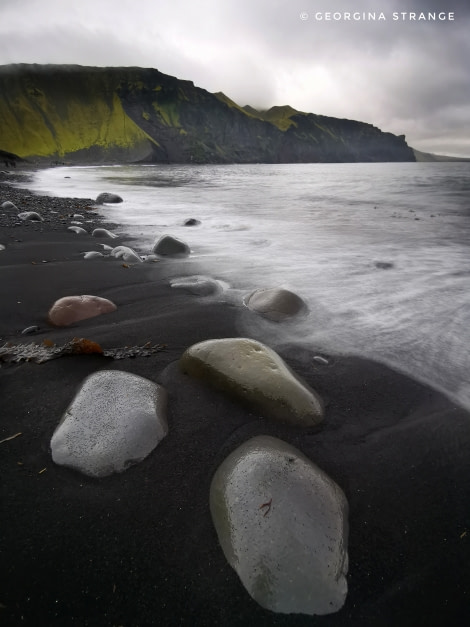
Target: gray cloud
[403, 76]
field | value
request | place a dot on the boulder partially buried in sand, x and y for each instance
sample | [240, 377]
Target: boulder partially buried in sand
[115, 420]
[77, 229]
[170, 246]
[276, 303]
[126, 254]
[100, 232]
[71, 309]
[256, 375]
[198, 285]
[282, 524]
[33, 216]
[9, 205]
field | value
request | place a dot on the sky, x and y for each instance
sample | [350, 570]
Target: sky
[406, 76]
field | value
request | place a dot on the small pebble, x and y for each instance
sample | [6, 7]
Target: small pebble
[31, 329]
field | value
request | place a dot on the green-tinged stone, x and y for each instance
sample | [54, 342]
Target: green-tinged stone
[256, 375]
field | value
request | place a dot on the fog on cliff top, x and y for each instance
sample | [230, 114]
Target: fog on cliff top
[404, 75]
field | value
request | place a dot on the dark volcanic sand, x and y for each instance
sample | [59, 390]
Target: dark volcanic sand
[139, 548]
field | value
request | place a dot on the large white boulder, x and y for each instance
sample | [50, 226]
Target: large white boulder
[115, 420]
[282, 524]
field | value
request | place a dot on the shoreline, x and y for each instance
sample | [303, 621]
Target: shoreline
[139, 548]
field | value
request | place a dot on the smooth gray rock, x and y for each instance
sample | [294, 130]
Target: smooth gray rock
[275, 303]
[100, 232]
[198, 285]
[170, 246]
[30, 215]
[126, 254]
[106, 197]
[2, 247]
[192, 222]
[92, 254]
[282, 524]
[257, 376]
[9, 205]
[115, 420]
[77, 229]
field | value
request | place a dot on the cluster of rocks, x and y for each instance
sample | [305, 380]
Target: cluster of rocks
[275, 304]
[289, 550]
[281, 521]
[52, 214]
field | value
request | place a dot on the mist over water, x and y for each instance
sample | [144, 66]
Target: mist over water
[380, 252]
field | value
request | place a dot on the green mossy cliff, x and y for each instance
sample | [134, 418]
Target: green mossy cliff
[89, 114]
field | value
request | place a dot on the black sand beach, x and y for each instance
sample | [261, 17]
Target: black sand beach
[139, 548]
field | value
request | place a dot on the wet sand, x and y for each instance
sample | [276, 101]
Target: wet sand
[139, 548]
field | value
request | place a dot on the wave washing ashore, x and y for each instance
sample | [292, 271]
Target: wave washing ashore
[154, 543]
[378, 251]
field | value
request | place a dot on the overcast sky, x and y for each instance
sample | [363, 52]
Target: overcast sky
[406, 76]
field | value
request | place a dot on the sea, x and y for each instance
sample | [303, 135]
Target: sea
[380, 252]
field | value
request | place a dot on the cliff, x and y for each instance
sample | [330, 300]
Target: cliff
[88, 114]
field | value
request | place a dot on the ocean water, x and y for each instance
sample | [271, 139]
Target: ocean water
[380, 252]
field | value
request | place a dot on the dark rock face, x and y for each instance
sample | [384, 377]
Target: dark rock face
[169, 120]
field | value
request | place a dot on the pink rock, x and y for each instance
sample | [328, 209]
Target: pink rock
[71, 309]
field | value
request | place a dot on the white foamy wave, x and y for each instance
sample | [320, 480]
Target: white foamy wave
[378, 251]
